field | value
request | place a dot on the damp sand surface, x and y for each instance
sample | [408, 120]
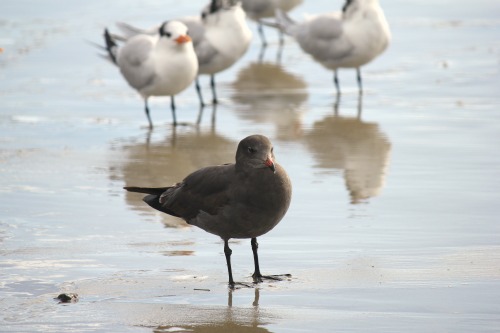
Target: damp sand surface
[393, 224]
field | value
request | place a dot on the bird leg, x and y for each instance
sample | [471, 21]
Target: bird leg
[282, 38]
[214, 114]
[279, 53]
[262, 52]
[360, 105]
[172, 106]
[146, 109]
[336, 105]
[257, 276]
[261, 33]
[336, 81]
[228, 252]
[200, 114]
[198, 90]
[212, 85]
[360, 85]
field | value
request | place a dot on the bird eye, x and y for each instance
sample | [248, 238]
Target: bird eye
[168, 34]
[251, 150]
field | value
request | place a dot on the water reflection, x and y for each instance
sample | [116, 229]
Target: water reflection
[279, 52]
[353, 145]
[227, 319]
[266, 93]
[156, 163]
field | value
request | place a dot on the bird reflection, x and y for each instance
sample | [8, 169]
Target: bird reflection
[267, 93]
[279, 52]
[164, 162]
[226, 320]
[212, 119]
[355, 146]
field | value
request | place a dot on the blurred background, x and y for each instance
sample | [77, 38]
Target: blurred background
[394, 217]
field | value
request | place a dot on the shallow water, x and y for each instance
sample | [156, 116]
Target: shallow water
[394, 220]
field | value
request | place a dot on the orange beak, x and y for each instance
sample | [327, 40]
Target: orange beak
[183, 39]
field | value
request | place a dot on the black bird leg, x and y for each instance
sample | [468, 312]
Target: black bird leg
[172, 106]
[257, 276]
[336, 81]
[261, 33]
[360, 85]
[212, 85]
[200, 114]
[146, 109]
[228, 252]
[282, 38]
[198, 90]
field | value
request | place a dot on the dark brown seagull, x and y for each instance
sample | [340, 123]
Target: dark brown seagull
[245, 199]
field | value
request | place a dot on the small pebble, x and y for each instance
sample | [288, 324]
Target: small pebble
[67, 298]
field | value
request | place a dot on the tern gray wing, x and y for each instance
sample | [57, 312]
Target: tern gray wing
[196, 30]
[202, 47]
[129, 31]
[132, 58]
[323, 37]
[256, 9]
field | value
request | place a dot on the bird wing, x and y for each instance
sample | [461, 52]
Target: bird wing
[196, 30]
[202, 47]
[133, 59]
[257, 9]
[204, 190]
[323, 37]
[128, 31]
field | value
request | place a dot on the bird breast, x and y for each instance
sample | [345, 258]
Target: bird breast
[176, 69]
[229, 33]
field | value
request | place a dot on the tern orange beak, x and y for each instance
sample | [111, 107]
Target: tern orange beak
[183, 39]
[270, 164]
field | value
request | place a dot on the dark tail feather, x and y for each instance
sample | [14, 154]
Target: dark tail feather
[153, 197]
[147, 190]
[153, 200]
[110, 45]
[99, 46]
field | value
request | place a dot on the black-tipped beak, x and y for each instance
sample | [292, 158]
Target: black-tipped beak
[270, 164]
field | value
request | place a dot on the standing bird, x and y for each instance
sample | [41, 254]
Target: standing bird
[245, 199]
[259, 9]
[162, 64]
[347, 39]
[220, 35]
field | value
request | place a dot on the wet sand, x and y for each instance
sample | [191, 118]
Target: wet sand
[394, 220]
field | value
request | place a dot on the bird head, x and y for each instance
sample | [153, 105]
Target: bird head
[175, 31]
